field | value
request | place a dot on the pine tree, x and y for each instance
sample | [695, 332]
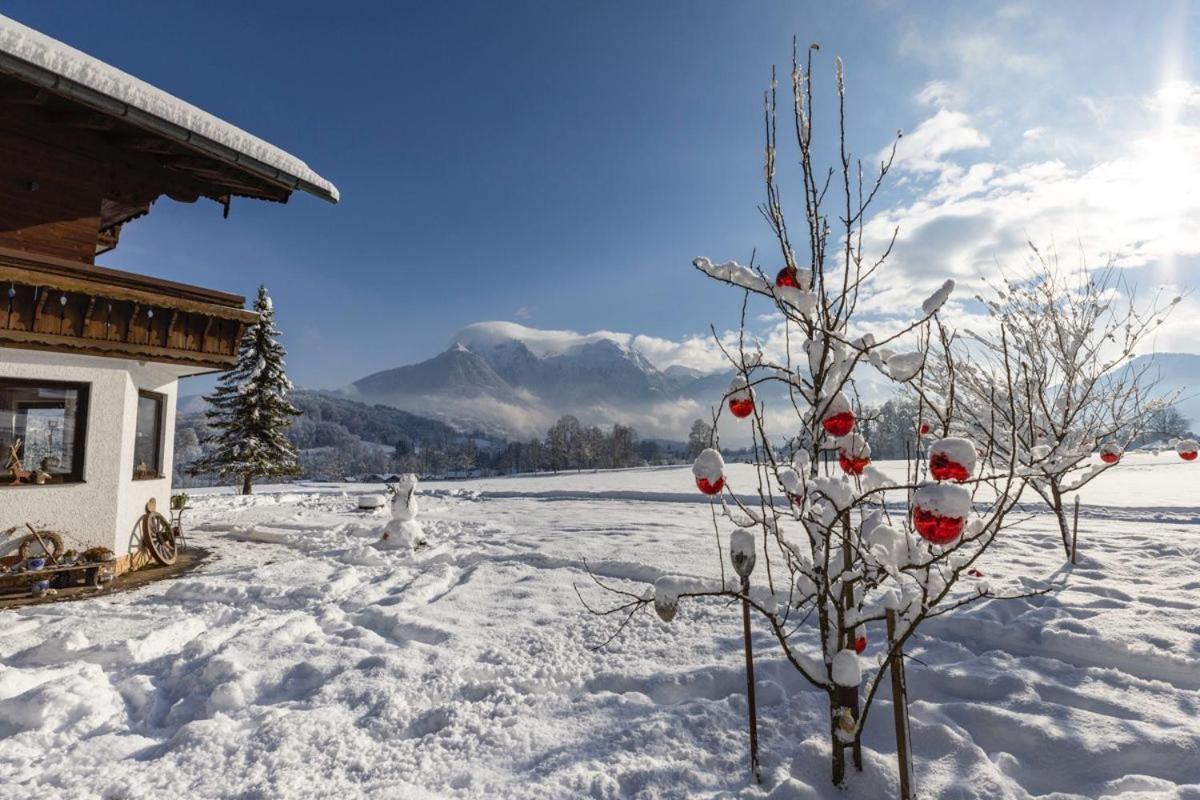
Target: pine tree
[249, 409]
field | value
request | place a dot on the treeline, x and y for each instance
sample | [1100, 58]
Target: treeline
[569, 445]
[339, 439]
[890, 428]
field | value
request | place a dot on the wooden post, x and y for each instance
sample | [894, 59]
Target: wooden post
[750, 701]
[900, 709]
[848, 695]
[1075, 531]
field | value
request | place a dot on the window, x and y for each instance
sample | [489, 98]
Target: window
[43, 426]
[148, 437]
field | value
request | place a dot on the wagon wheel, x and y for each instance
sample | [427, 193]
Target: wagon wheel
[32, 548]
[160, 538]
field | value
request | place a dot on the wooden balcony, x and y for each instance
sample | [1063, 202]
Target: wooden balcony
[64, 306]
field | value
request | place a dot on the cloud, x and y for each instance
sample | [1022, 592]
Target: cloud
[542, 342]
[944, 133]
[696, 351]
[1134, 205]
[1173, 97]
[984, 51]
[939, 94]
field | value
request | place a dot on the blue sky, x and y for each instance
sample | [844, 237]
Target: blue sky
[559, 164]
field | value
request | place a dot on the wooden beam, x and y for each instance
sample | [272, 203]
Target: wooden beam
[87, 316]
[224, 180]
[144, 144]
[237, 340]
[23, 94]
[30, 340]
[83, 120]
[132, 318]
[170, 327]
[41, 306]
[108, 239]
[101, 289]
[92, 156]
[204, 336]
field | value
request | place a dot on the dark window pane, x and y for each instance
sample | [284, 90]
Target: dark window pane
[147, 444]
[45, 422]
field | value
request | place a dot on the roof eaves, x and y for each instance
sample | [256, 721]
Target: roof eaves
[48, 79]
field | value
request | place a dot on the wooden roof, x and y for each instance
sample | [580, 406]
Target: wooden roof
[199, 174]
[94, 95]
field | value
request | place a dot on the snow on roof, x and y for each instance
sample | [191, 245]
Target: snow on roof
[70, 65]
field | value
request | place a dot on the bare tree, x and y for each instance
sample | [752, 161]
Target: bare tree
[699, 438]
[833, 559]
[563, 442]
[1070, 338]
[621, 446]
[1165, 424]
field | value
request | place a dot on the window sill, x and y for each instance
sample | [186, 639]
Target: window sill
[149, 478]
[8, 484]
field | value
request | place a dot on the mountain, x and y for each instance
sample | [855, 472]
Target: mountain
[512, 360]
[457, 370]
[509, 379]
[594, 369]
[459, 387]
[515, 381]
[601, 371]
[1177, 373]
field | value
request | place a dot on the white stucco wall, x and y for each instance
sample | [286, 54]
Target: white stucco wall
[105, 509]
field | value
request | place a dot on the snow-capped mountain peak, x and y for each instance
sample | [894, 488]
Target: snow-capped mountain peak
[486, 336]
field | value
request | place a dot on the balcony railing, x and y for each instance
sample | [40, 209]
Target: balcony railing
[52, 304]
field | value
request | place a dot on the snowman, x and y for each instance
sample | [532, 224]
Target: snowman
[403, 531]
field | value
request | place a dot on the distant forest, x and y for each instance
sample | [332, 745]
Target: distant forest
[340, 439]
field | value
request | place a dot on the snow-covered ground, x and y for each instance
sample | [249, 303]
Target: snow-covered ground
[300, 661]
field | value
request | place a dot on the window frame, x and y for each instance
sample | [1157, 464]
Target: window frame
[160, 423]
[78, 446]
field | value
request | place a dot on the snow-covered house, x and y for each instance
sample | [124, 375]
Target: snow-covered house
[90, 356]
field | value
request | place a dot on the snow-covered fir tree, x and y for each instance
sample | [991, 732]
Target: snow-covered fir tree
[249, 411]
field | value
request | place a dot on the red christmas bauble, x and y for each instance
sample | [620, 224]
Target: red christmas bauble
[1110, 458]
[1188, 455]
[839, 424]
[936, 529]
[787, 277]
[925, 428]
[860, 644]
[741, 407]
[851, 465]
[943, 468]
[710, 487]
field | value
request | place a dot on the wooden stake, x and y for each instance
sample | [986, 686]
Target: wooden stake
[750, 702]
[848, 695]
[49, 551]
[900, 709]
[1075, 531]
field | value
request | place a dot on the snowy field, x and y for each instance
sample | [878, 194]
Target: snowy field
[301, 662]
